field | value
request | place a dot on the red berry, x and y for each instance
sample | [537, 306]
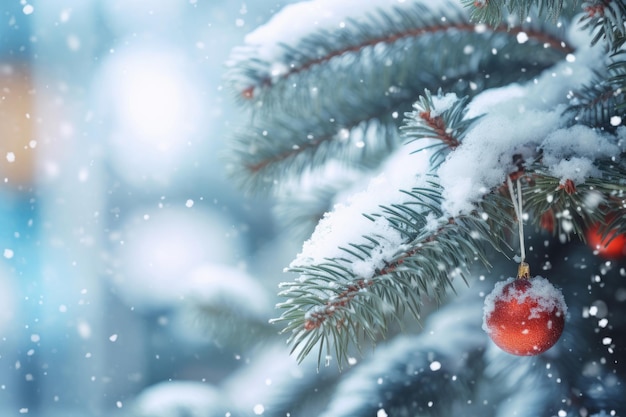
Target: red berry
[524, 317]
[611, 247]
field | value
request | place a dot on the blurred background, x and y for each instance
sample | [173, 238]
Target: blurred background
[120, 233]
[137, 280]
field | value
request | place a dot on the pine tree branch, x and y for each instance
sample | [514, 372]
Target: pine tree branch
[384, 383]
[448, 366]
[330, 306]
[441, 118]
[564, 209]
[400, 376]
[617, 71]
[339, 84]
[606, 18]
[601, 103]
[493, 12]
[361, 77]
[262, 157]
[393, 50]
[596, 104]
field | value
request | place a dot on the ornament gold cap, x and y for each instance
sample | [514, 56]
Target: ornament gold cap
[523, 271]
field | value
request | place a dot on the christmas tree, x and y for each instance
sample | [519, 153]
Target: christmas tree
[429, 148]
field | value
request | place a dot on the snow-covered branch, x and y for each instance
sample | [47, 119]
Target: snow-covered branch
[438, 202]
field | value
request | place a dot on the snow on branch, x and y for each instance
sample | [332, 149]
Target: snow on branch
[606, 19]
[271, 67]
[331, 307]
[358, 272]
[563, 208]
[338, 80]
[440, 117]
[601, 101]
[334, 93]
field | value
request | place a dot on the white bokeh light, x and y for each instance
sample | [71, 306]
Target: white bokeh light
[153, 106]
[8, 297]
[152, 103]
[155, 255]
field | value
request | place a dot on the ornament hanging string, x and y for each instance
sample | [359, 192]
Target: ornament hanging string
[525, 316]
[516, 198]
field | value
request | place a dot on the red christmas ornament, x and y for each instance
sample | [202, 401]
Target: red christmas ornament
[611, 247]
[524, 316]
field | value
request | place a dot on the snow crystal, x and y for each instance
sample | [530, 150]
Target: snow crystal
[522, 37]
[547, 297]
[435, 365]
[616, 120]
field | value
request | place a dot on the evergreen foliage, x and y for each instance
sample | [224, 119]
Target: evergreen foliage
[337, 96]
[352, 86]
[493, 12]
[450, 369]
[606, 20]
